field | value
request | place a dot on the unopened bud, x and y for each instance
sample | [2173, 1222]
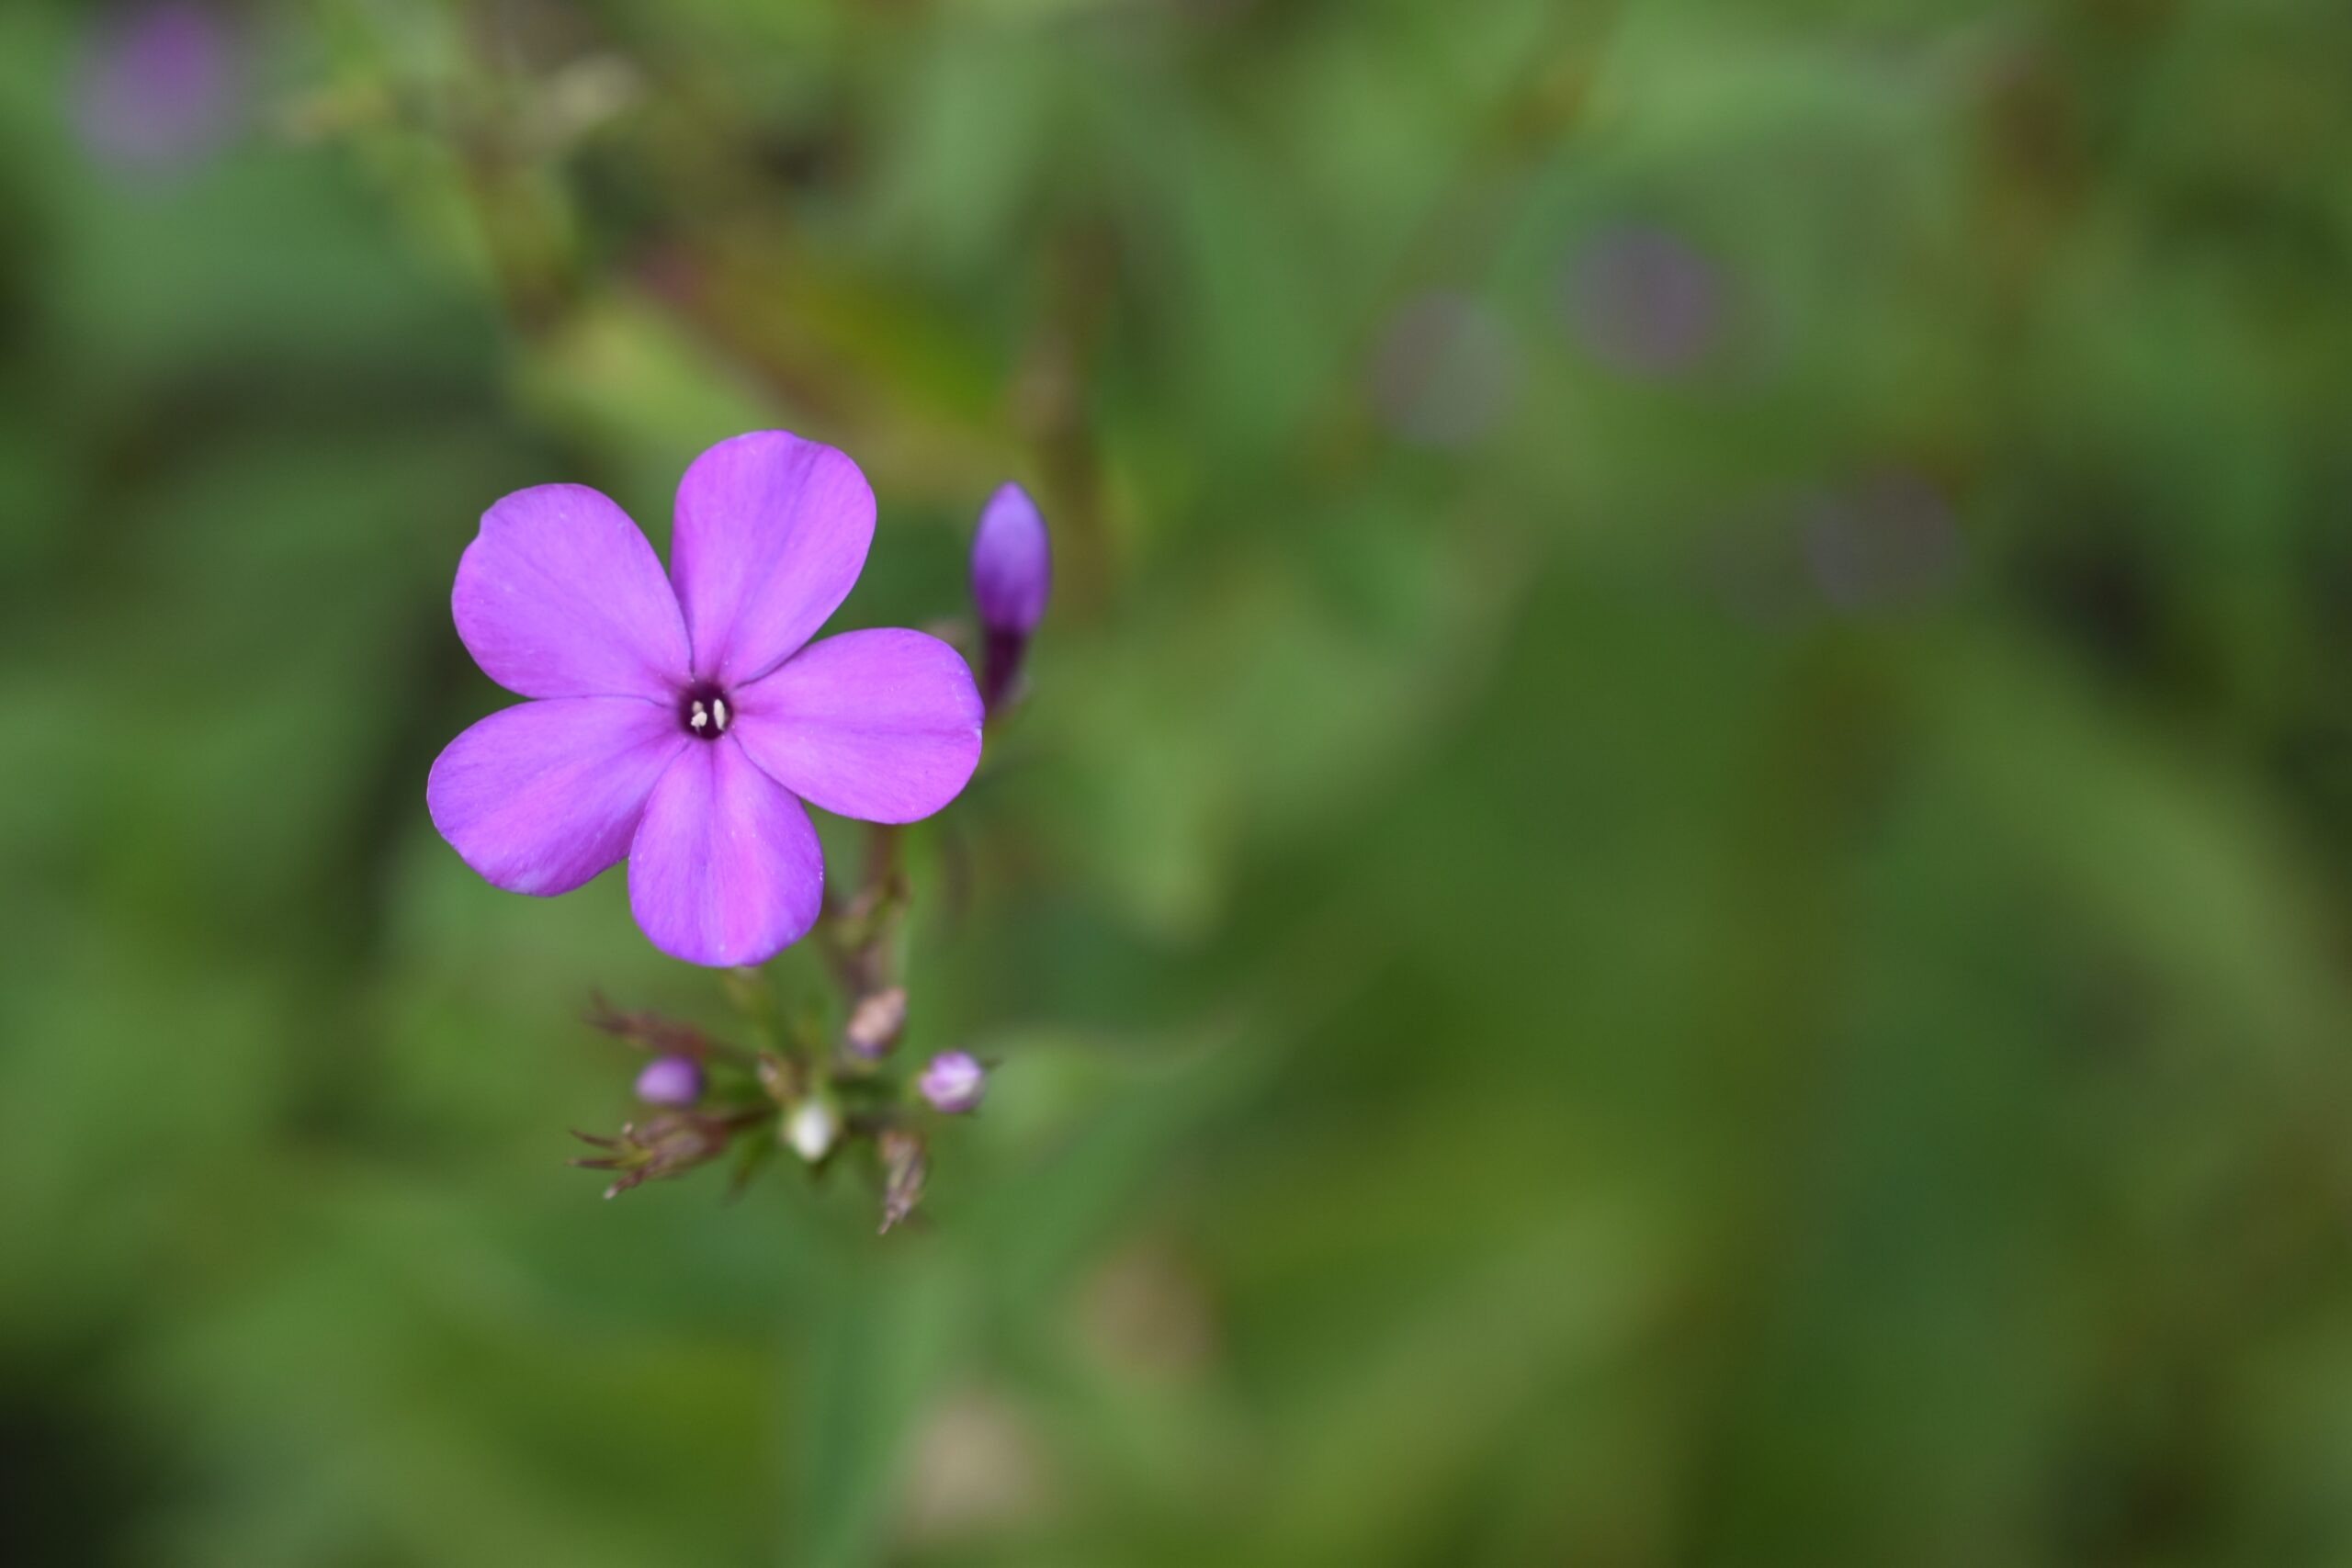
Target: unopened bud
[812, 1129]
[1013, 573]
[670, 1080]
[661, 1146]
[904, 1167]
[952, 1083]
[874, 1022]
[1012, 564]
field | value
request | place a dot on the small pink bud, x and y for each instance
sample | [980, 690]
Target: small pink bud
[670, 1080]
[874, 1022]
[954, 1082]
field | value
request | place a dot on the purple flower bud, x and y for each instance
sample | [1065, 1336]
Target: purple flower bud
[670, 1080]
[954, 1082]
[1012, 563]
[1012, 571]
[158, 91]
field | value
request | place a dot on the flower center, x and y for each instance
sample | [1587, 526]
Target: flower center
[702, 710]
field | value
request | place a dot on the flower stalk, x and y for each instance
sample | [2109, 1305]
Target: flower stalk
[798, 1085]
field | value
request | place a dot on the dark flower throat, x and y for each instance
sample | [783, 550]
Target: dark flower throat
[704, 711]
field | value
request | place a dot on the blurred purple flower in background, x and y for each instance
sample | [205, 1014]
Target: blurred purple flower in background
[954, 1082]
[1644, 303]
[670, 1080]
[1887, 542]
[1445, 370]
[681, 724]
[1012, 575]
[158, 88]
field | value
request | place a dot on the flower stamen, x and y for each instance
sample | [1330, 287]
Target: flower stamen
[702, 711]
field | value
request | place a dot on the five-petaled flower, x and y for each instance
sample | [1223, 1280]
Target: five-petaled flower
[681, 724]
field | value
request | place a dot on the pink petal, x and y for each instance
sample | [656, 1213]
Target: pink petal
[561, 597]
[772, 532]
[541, 796]
[883, 726]
[724, 868]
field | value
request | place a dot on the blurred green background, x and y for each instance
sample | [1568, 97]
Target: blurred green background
[1675, 890]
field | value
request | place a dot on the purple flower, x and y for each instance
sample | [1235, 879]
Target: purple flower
[953, 1082]
[158, 90]
[1012, 572]
[1644, 303]
[681, 724]
[670, 1080]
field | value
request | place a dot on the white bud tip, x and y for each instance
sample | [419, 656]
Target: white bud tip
[811, 1129]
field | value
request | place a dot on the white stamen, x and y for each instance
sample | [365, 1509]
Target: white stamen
[699, 718]
[719, 708]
